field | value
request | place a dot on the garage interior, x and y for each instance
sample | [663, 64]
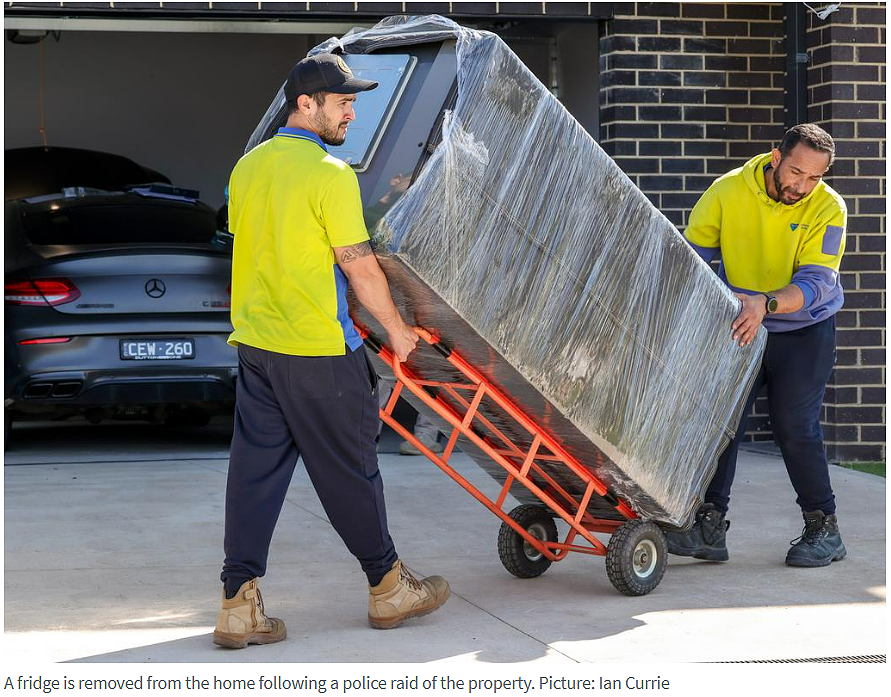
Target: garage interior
[183, 104]
[182, 97]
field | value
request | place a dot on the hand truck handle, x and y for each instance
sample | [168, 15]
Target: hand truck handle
[434, 342]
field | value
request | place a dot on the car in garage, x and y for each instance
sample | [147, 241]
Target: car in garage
[116, 293]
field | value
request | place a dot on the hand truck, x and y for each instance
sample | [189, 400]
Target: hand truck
[636, 555]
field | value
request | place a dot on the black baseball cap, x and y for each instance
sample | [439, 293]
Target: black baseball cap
[325, 72]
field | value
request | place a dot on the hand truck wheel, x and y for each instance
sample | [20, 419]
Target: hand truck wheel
[517, 555]
[636, 557]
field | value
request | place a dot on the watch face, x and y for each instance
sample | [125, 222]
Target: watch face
[772, 304]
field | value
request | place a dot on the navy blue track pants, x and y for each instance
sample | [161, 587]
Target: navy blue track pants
[795, 369]
[325, 410]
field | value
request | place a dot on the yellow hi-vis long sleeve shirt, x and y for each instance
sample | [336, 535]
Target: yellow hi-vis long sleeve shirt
[766, 245]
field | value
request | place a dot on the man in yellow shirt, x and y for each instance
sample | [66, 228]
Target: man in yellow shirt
[305, 386]
[780, 232]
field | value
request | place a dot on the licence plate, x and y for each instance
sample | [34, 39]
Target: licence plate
[157, 349]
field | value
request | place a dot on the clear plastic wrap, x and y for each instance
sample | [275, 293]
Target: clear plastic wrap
[528, 250]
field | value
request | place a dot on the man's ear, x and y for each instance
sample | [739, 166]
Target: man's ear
[775, 157]
[304, 104]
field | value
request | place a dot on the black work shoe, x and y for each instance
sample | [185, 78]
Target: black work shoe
[707, 539]
[820, 543]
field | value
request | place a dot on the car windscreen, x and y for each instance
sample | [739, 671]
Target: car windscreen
[118, 222]
[47, 170]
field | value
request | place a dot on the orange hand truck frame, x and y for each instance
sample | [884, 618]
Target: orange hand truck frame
[528, 543]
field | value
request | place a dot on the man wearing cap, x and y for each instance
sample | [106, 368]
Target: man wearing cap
[305, 385]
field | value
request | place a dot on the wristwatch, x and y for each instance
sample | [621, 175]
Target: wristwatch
[770, 304]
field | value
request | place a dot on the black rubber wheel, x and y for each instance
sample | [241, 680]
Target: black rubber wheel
[517, 555]
[636, 557]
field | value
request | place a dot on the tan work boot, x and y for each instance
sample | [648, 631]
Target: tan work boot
[242, 620]
[400, 595]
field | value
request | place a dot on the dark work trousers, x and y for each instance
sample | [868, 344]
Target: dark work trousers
[795, 369]
[321, 408]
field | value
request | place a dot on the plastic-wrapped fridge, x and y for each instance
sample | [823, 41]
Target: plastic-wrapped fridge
[504, 229]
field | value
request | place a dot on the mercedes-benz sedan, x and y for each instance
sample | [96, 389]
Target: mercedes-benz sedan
[116, 293]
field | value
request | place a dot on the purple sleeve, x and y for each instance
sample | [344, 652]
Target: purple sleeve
[707, 254]
[816, 282]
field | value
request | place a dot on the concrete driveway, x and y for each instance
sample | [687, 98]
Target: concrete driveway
[113, 547]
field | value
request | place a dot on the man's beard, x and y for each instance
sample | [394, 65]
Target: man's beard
[327, 131]
[781, 192]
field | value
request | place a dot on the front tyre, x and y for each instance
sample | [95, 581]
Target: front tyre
[636, 557]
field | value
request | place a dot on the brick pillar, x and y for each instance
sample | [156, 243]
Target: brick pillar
[846, 96]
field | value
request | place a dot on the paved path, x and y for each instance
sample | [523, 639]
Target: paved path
[113, 549]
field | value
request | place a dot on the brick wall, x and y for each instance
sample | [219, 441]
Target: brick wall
[846, 95]
[690, 91]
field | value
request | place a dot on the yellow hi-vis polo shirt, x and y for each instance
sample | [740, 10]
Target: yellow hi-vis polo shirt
[290, 203]
[765, 245]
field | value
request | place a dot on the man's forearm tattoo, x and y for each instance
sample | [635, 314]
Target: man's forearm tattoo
[363, 249]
